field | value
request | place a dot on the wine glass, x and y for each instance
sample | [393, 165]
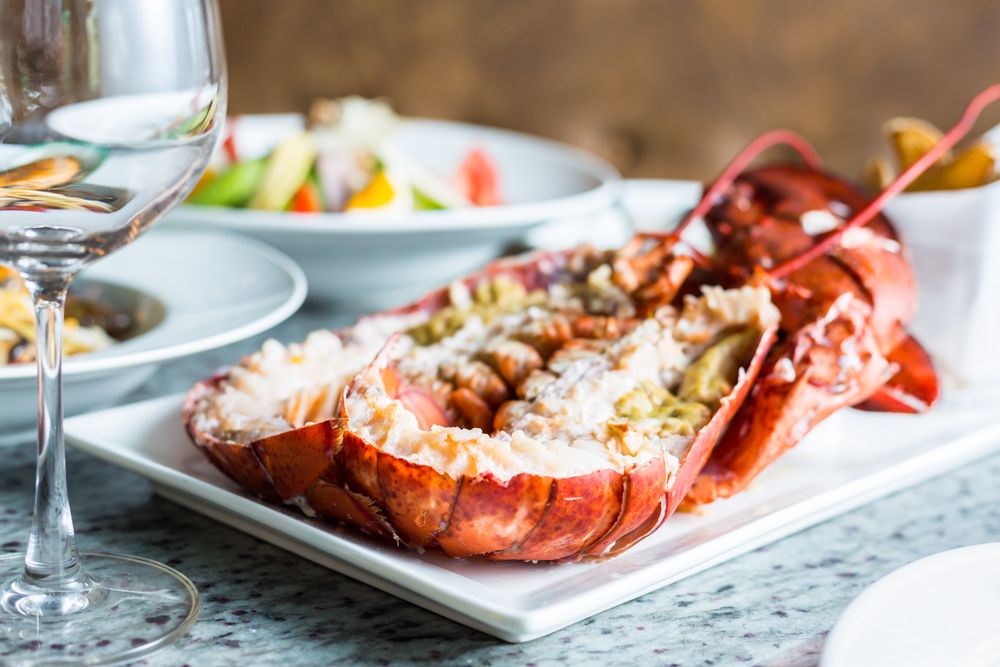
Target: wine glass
[109, 111]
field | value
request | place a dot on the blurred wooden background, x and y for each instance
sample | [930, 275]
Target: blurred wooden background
[661, 87]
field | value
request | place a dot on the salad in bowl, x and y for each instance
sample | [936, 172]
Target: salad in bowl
[343, 158]
[378, 208]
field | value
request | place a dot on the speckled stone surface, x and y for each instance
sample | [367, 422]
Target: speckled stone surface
[264, 606]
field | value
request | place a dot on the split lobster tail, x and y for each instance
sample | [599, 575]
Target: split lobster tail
[524, 516]
[523, 415]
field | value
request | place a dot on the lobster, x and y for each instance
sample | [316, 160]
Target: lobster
[330, 464]
[809, 242]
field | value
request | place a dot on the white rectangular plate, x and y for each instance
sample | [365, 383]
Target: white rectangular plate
[849, 460]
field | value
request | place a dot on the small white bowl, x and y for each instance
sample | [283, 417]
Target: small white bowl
[953, 238]
[376, 259]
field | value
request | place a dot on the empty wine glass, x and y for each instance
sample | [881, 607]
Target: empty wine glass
[109, 110]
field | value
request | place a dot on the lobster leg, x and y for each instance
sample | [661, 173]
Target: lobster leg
[914, 387]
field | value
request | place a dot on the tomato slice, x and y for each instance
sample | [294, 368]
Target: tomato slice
[306, 199]
[477, 179]
[229, 143]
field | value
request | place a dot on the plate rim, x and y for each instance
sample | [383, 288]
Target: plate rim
[505, 618]
[100, 363]
[836, 648]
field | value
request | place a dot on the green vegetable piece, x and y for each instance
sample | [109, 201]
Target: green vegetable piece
[313, 178]
[234, 187]
[713, 375]
[287, 169]
[424, 202]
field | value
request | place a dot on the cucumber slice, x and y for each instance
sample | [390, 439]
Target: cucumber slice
[286, 171]
[424, 202]
[234, 187]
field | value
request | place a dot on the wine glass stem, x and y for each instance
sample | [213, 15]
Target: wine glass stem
[52, 560]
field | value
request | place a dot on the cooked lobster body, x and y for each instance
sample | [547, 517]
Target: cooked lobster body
[843, 340]
[554, 408]
[561, 407]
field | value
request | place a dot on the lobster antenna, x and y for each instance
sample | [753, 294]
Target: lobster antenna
[910, 174]
[738, 165]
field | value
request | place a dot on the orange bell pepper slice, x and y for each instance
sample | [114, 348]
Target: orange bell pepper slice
[306, 199]
[377, 193]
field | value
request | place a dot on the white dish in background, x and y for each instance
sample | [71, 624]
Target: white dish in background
[847, 461]
[214, 289]
[939, 610]
[953, 238]
[645, 204]
[376, 259]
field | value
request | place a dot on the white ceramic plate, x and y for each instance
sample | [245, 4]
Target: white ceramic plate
[940, 610]
[378, 259]
[851, 459]
[203, 290]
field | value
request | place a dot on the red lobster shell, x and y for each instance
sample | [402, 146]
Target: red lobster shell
[844, 308]
[340, 476]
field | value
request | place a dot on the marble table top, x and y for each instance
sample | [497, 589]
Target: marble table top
[264, 606]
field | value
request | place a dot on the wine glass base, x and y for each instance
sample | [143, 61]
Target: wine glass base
[132, 607]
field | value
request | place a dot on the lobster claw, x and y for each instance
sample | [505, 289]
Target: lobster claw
[915, 386]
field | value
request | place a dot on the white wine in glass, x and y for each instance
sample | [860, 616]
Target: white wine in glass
[109, 110]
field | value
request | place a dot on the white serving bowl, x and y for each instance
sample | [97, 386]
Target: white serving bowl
[645, 204]
[375, 259]
[953, 238]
